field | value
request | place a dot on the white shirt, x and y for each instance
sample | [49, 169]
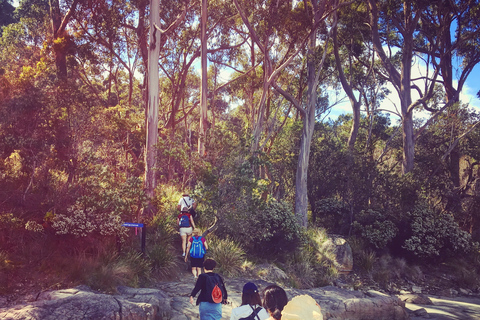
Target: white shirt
[246, 310]
[189, 201]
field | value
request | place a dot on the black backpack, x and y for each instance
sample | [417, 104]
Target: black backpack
[253, 315]
[215, 289]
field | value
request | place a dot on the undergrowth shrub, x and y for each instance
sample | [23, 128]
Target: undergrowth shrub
[229, 255]
[375, 227]
[160, 249]
[268, 230]
[107, 272]
[5, 267]
[436, 235]
[333, 215]
[313, 265]
[464, 274]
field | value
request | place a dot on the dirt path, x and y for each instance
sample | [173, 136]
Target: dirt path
[459, 308]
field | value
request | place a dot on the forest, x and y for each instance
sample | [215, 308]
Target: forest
[111, 109]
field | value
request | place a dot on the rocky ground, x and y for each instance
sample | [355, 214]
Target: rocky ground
[435, 297]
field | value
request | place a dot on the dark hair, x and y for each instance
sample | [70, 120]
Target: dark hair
[251, 298]
[274, 300]
[209, 264]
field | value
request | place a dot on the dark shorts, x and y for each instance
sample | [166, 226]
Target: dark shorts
[196, 262]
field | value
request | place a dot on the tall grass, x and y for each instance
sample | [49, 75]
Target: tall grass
[107, 272]
[160, 248]
[313, 265]
[230, 256]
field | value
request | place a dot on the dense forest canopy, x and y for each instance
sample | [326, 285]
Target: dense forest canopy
[110, 109]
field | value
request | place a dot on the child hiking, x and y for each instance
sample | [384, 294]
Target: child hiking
[212, 292]
[197, 247]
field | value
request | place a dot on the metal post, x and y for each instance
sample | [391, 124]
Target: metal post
[144, 237]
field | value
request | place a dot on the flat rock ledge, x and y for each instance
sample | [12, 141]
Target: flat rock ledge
[82, 303]
[169, 301]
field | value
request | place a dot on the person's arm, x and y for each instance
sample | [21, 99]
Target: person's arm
[194, 205]
[225, 289]
[179, 208]
[198, 287]
[191, 222]
[205, 243]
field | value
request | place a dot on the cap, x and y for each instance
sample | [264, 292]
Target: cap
[250, 286]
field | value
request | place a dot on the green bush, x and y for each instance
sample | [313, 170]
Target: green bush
[375, 228]
[436, 235]
[333, 215]
[264, 229]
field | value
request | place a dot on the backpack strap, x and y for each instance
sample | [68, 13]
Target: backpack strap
[185, 201]
[255, 312]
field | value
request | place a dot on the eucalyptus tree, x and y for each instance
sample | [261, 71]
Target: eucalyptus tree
[305, 20]
[438, 22]
[449, 33]
[394, 26]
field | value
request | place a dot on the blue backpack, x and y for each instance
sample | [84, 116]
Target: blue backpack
[184, 221]
[197, 250]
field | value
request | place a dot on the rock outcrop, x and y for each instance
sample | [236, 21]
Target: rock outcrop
[169, 300]
[82, 303]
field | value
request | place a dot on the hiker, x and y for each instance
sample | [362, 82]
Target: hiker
[197, 247]
[186, 226]
[251, 307]
[274, 300]
[187, 204]
[212, 292]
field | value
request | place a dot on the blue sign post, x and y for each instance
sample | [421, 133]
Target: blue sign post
[144, 231]
[132, 224]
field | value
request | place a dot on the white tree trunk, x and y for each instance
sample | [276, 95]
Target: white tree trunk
[151, 111]
[203, 94]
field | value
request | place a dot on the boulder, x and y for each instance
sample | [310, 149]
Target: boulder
[82, 303]
[416, 298]
[339, 304]
[343, 253]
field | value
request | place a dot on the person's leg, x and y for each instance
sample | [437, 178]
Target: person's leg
[184, 243]
[210, 311]
[199, 271]
[194, 272]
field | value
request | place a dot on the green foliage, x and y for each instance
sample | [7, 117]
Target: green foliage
[375, 227]
[258, 226]
[160, 246]
[333, 215]
[463, 273]
[229, 255]
[312, 265]
[113, 270]
[435, 234]
[5, 266]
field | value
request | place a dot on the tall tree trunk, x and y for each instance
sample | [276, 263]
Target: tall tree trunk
[301, 194]
[151, 112]
[203, 94]
[59, 46]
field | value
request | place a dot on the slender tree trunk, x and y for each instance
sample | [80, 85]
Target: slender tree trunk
[203, 94]
[59, 47]
[151, 112]
[301, 189]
